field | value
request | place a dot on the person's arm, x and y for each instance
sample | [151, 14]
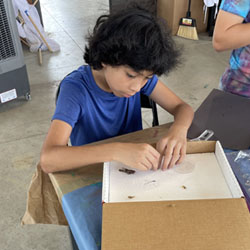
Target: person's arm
[57, 156]
[173, 145]
[230, 33]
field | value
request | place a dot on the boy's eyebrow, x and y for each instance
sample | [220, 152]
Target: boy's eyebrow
[139, 73]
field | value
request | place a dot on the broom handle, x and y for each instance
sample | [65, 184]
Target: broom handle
[189, 9]
[35, 2]
[42, 37]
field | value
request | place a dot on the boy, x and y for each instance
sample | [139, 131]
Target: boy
[102, 99]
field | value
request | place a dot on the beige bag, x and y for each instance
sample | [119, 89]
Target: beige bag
[43, 205]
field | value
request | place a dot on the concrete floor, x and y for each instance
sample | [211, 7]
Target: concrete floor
[24, 124]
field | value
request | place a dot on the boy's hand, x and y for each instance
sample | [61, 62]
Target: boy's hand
[141, 156]
[172, 147]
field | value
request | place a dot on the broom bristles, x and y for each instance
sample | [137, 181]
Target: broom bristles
[188, 32]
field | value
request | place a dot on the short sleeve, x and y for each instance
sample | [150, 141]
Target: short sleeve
[149, 86]
[240, 8]
[68, 108]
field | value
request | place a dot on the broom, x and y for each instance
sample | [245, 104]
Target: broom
[187, 26]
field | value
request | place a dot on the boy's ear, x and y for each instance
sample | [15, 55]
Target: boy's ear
[104, 65]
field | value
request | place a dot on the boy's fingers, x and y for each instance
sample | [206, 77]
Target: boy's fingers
[147, 157]
[180, 160]
[173, 161]
[155, 152]
[143, 167]
[148, 163]
[161, 161]
[182, 156]
[155, 157]
[172, 154]
[167, 156]
[161, 145]
[153, 162]
[176, 156]
[167, 159]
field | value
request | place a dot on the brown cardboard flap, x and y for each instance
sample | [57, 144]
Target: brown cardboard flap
[222, 224]
[195, 147]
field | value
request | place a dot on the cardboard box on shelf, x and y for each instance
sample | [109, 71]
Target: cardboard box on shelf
[173, 10]
[203, 209]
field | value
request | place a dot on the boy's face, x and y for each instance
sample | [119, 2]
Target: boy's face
[123, 81]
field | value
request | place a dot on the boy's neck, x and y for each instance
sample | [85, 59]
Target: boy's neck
[100, 79]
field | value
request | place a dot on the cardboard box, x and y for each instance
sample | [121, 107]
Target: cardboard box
[173, 10]
[181, 224]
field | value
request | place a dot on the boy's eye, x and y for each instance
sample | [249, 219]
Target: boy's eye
[130, 76]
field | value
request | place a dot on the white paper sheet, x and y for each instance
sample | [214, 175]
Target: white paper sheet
[199, 177]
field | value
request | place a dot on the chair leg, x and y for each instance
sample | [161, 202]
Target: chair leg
[155, 114]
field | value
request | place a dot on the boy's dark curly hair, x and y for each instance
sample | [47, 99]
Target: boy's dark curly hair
[132, 37]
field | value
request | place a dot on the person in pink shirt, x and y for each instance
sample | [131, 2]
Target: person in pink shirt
[232, 32]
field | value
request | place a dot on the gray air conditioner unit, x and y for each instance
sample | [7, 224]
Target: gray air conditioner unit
[13, 74]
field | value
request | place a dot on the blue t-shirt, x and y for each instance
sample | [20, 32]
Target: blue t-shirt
[236, 78]
[95, 114]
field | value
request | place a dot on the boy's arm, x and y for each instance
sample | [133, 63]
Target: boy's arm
[230, 32]
[57, 156]
[173, 145]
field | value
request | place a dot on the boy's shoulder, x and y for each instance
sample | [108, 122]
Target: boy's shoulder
[80, 76]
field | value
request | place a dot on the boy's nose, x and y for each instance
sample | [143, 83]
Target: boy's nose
[136, 87]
